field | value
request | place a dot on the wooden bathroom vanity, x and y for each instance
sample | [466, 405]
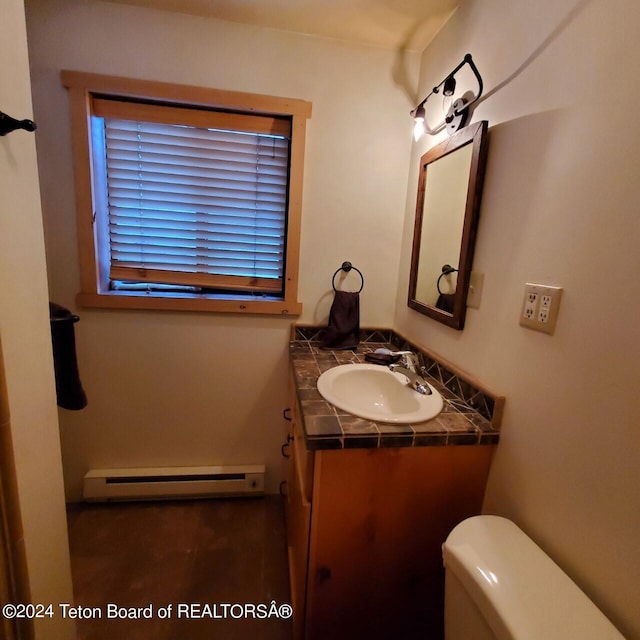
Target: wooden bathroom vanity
[369, 505]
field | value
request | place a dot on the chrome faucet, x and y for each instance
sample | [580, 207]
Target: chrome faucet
[409, 369]
[416, 382]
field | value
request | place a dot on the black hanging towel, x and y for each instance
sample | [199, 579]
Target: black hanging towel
[446, 302]
[343, 330]
[69, 389]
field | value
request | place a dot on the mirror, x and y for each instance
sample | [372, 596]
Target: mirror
[446, 222]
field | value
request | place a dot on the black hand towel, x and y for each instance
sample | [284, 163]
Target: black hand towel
[343, 330]
[68, 386]
[446, 302]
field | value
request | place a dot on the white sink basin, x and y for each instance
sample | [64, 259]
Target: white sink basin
[374, 392]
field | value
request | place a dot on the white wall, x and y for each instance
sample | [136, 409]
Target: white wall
[26, 341]
[561, 206]
[180, 388]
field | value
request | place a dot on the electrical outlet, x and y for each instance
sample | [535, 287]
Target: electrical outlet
[530, 302]
[545, 308]
[540, 307]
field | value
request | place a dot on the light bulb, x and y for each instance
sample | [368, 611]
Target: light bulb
[419, 115]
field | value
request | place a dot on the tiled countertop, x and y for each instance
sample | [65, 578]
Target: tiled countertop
[327, 427]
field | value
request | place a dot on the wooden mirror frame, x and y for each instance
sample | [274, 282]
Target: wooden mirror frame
[476, 135]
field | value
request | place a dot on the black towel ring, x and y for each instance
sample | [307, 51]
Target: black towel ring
[446, 270]
[347, 266]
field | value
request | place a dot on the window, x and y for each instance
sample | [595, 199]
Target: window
[187, 198]
[187, 204]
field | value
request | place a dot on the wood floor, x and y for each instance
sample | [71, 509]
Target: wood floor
[200, 552]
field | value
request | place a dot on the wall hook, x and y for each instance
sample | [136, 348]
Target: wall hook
[9, 124]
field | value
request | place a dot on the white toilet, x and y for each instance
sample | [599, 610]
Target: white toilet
[500, 585]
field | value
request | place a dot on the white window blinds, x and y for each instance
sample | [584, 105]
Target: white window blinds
[194, 197]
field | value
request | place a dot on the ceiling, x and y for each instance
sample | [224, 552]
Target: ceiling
[397, 24]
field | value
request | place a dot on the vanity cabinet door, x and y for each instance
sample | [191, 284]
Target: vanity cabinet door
[379, 519]
[298, 523]
[298, 511]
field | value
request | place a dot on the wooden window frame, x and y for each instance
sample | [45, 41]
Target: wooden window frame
[94, 292]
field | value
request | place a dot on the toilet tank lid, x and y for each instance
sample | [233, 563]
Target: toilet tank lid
[521, 592]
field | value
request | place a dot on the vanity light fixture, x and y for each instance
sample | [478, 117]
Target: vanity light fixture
[458, 113]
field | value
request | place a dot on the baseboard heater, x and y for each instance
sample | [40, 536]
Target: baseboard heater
[172, 483]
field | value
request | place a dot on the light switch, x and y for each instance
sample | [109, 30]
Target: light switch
[475, 289]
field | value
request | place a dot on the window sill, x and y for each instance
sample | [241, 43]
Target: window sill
[186, 302]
